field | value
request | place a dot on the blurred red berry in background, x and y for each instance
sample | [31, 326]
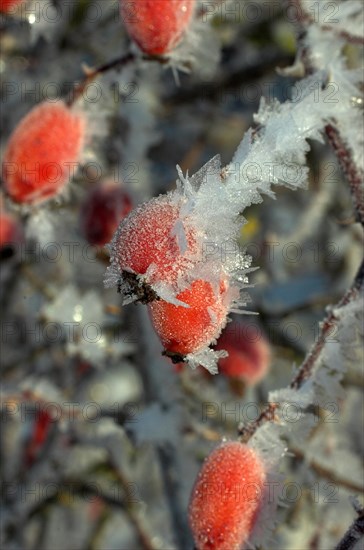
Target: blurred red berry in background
[105, 205]
[249, 352]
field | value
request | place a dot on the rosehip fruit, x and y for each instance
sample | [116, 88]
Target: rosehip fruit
[103, 209]
[41, 151]
[226, 497]
[6, 6]
[157, 25]
[249, 355]
[11, 233]
[146, 243]
[183, 330]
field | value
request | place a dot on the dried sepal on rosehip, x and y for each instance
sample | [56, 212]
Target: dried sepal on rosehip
[42, 152]
[157, 26]
[226, 498]
[152, 249]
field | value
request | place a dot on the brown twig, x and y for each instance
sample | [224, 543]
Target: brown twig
[354, 533]
[325, 472]
[307, 367]
[353, 174]
[118, 63]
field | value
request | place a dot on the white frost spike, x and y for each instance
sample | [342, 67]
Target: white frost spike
[213, 166]
[206, 358]
[243, 149]
[268, 444]
[166, 293]
[178, 231]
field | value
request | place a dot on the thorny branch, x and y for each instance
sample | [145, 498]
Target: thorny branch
[353, 174]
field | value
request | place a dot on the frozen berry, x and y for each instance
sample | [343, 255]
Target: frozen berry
[148, 242]
[183, 330]
[226, 497]
[42, 152]
[103, 209]
[157, 25]
[249, 353]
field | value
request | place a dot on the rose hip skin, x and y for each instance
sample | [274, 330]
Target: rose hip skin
[226, 497]
[156, 25]
[103, 209]
[184, 330]
[11, 232]
[42, 152]
[145, 241]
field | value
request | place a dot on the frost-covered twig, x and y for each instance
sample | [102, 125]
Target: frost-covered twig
[354, 533]
[329, 19]
[353, 174]
[309, 364]
[315, 54]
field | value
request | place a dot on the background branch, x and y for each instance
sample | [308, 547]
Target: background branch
[354, 533]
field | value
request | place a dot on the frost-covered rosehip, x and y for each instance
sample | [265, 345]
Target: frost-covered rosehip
[185, 330]
[249, 353]
[6, 6]
[157, 25]
[153, 243]
[226, 497]
[42, 152]
[102, 211]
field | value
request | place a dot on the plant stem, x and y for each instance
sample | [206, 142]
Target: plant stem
[354, 533]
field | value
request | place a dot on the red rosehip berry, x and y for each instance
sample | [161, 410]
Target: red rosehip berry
[146, 244]
[157, 25]
[6, 6]
[42, 151]
[183, 330]
[103, 209]
[249, 353]
[11, 232]
[226, 497]
[38, 438]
